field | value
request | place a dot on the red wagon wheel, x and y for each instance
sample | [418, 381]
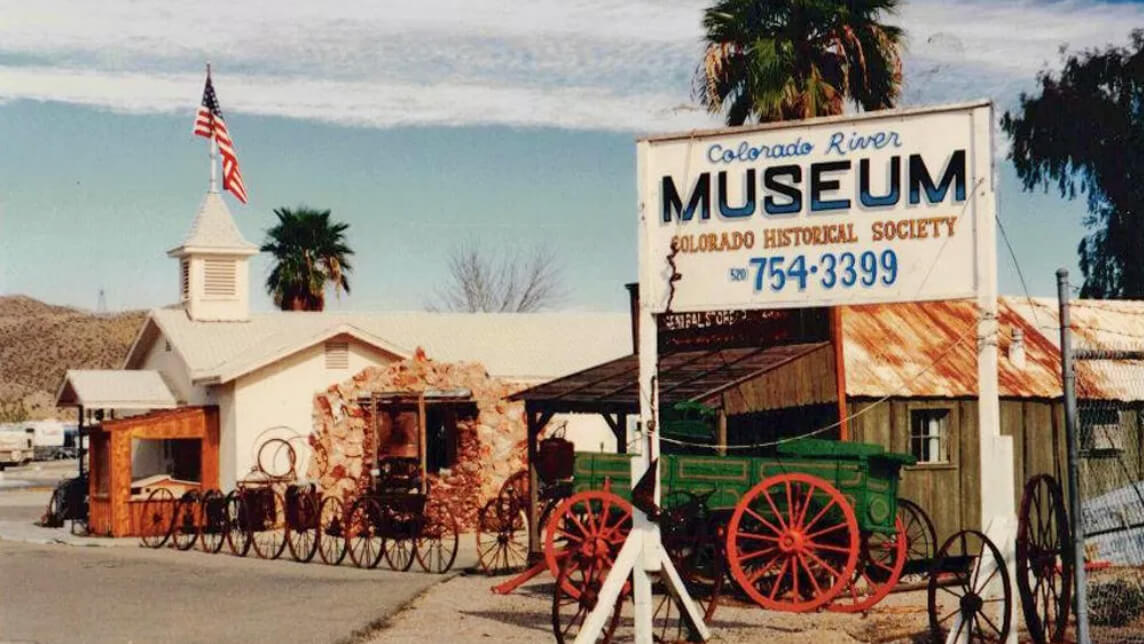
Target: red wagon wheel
[157, 516]
[502, 538]
[212, 529]
[363, 533]
[792, 542]
[435, 546]
[880, 565]
[237, 523]
[584, 576]
[302, 523]
[332, 531]
[267, 512]
[1044, 559]
[589, 524]
[978, 602]
[185, 522]
[514, 490]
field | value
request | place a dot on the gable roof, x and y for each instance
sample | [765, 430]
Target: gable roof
[114, 389]
[523, 347]
[213, 229]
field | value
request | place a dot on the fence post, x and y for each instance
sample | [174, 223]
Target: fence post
[1068, 378]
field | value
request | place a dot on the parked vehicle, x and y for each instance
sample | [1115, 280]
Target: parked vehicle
[16, 447]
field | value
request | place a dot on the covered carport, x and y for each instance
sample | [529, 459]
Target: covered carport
[611, 389]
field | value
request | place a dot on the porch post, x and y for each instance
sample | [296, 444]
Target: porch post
[533, 432]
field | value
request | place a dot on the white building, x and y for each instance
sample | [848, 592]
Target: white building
[262, 369]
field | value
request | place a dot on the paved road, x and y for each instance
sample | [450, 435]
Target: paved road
[74, 594]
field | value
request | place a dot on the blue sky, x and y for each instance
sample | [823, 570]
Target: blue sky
[422, 127]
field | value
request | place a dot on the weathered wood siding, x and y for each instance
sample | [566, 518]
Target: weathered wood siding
[806, 381]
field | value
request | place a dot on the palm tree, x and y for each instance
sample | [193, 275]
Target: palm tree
[775, 60]
[309, 253]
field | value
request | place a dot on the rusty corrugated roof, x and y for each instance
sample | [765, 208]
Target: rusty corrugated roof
[929, 349]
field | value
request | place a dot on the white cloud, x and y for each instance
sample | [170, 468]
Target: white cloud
[577, 64]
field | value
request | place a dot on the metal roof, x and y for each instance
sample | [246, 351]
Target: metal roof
[521, 347]
[686, 375]
[115, 389]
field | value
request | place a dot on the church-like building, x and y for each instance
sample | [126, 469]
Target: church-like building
[207, 382]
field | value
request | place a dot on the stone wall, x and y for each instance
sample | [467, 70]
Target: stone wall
[490, 447]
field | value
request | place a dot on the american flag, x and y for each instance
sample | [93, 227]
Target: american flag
[209, 124]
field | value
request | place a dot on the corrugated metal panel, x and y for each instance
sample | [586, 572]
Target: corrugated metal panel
[925, 349]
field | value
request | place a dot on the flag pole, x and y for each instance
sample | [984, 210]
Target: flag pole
[212, 147]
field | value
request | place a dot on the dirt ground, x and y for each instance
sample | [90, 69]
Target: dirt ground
[464, 609]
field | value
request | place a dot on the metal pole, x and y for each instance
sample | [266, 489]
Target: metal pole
[1068, 378]
[212, 150]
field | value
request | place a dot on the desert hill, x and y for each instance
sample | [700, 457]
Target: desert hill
[39, 341]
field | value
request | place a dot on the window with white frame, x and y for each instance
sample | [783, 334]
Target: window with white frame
[929, 435]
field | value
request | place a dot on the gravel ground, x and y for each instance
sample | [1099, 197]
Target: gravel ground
[465, 610]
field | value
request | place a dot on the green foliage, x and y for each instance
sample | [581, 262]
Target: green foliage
[310, 254]
[1084, 134]
[775, 60]
[1114, 603]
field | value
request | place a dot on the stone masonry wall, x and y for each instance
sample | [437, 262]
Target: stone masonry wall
[490, 447]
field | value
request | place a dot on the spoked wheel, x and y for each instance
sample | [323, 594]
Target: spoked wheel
[185, 523]
[268, 522]
[363, 535]
[302, 524]
[502, 539]
[1044, 559]
[569, 609]
[792, 542]
[213, 528]
[879, 566]
[157, 514]
[692, 537]
[237, 523]
[921, 542]
[589, 524]
[514, 489]
[969, 591]
[332, 531]
[435, 546]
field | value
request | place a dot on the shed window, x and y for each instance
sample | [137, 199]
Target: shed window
[219, 277]
[337, 355]
[1101, 431]
[185, 277]
[929, 435]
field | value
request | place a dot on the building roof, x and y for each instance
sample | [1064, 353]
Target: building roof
[683, 375]
[214, 230]
[115, 389]
[523, 347]
[930, 349]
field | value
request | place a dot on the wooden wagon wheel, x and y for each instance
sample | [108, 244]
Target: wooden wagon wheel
[157, 515]
[792, 542]
[302, 522]
[267, 511]
[969, 590]
[1044, 559]
[399, 528]
[921, 542]
[577, 590]
[693, 537]
[212, 527]
[589, 524]
[880, 564]
[513, 494]
[185, 521]
[363, 533]
[502, 538]
[332, 531]
[435, 545]
[237, 523]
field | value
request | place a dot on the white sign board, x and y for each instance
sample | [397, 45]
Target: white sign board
[880, 207]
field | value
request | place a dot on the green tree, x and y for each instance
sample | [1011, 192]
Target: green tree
[1083, 133]
[310, 253]
[776, 60]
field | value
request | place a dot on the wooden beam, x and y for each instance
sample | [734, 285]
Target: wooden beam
[534, 420]
[836, 338]
[622, 434]
[721, 432]
[421, 426]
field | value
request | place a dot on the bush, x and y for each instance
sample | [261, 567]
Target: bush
[1114, 603]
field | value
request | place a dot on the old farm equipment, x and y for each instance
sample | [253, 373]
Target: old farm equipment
[396, 518]
[813, 526]
[502, 527]
[256, 508]
[1044, 559]
[968, 595]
